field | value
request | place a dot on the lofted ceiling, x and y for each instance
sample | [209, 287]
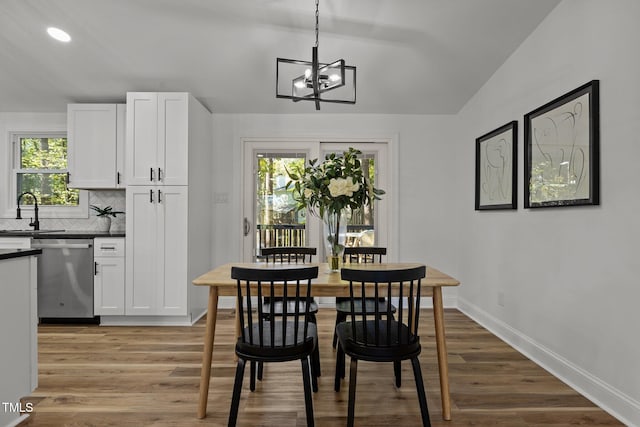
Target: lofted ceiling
[412, 56]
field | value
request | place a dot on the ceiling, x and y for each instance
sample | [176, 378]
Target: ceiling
[412, 56]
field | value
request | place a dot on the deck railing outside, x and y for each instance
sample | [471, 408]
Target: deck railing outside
[274, 235]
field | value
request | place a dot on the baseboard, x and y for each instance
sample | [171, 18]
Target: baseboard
[610, 399]
[195, 316]
[18, 420]
[146, 321]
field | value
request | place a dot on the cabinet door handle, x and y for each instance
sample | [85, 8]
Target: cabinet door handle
[159, 196]
[159, 174]
[95, 268]
[151, 174]
[117, 177]
[150, 196]
[247, 227]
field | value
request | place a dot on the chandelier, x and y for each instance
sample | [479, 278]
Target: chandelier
[315, 81]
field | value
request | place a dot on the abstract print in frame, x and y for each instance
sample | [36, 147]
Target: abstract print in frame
[497, 168]
[562, 154]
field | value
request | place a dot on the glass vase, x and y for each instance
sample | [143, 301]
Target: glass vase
[335, 232]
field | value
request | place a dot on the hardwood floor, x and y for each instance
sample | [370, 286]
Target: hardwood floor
[149, 376]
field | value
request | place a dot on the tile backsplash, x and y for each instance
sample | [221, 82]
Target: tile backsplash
[101, 198]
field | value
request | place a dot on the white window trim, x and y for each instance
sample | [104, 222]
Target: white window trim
[10, 195]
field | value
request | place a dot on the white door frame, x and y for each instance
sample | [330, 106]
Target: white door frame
[387, 209]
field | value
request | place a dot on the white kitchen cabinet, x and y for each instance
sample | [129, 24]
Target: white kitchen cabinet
[157, 250]
[109, 276]
[168, 229]
[158, 126]
[18, 335]
[15, 242]
[95, 138]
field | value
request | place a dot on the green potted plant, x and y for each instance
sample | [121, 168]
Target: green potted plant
[104, 216]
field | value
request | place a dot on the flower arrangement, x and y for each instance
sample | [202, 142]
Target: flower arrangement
[329, 188]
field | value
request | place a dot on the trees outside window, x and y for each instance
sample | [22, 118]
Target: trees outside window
[41, 168]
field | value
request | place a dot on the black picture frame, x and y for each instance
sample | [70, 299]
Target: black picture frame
[562, 156]
[497, 168]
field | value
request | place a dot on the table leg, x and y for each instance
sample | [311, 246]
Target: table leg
[205, 373]
[443, 364]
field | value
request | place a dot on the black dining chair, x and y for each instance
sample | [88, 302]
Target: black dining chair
[360, 254]
[290, 336]
[375, 337]
[289, 254]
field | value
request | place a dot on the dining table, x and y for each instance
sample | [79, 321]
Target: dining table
[327, 284]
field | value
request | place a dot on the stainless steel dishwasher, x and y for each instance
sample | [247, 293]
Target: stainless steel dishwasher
[65, 278]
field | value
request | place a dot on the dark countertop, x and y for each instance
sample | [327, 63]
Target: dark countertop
[17, 253]
[60, 234]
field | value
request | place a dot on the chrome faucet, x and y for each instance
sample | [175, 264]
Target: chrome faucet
[35, 224]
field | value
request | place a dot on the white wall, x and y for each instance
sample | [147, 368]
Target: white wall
[569, 276]
[426, 229]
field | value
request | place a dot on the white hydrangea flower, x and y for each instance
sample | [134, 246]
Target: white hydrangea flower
[343, 187]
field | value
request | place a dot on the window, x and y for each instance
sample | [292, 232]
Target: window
[40, 167]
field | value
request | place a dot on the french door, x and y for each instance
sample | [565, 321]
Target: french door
[271, 217]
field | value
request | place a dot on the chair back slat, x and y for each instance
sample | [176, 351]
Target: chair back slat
[363, 254]
[403, 284]
[275, 331]
[288, 254]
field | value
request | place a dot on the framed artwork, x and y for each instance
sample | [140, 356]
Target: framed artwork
[562, 156]
[497, 168]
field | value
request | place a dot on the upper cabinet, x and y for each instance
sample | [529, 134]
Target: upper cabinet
[95, 137]
[157, 138]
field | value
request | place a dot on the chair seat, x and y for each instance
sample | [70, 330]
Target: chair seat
[298, 345]
[388, 347]
[278, 306]
[343, 305]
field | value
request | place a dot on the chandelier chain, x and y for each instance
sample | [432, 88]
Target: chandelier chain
[317, 1]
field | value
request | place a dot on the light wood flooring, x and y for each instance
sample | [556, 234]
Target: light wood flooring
[149, 376]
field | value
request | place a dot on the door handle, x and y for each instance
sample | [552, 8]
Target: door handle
[159, 174]
[61, 246]
[159, 196]
[150, 196]
[247, 227]
[95, 268]
[151, 174]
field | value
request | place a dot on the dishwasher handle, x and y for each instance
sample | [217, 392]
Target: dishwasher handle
[61, 245]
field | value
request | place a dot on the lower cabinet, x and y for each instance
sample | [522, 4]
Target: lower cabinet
[109, 276]
[18, 335]
[157, 251]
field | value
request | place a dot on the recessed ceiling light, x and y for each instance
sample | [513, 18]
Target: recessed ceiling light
[59, 34]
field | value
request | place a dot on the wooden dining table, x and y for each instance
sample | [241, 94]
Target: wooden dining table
[327, 284]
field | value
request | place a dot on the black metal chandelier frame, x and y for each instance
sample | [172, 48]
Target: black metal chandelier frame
[318, 77]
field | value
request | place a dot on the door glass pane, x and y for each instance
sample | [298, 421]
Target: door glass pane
[361, 228]
[278, 223]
